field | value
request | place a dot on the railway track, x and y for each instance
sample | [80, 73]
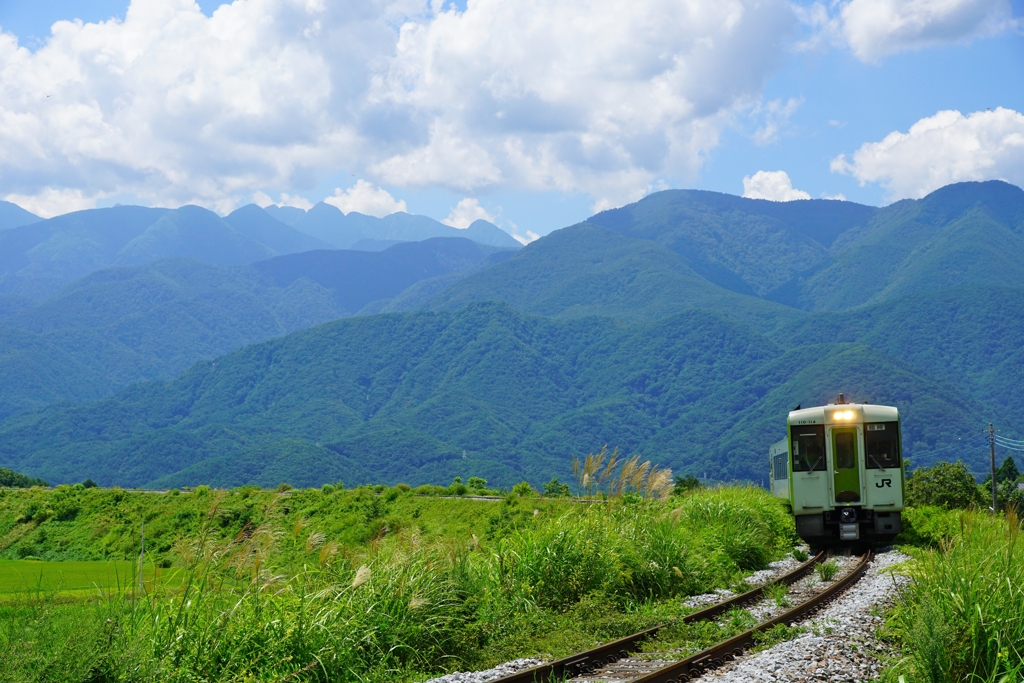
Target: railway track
[612, 661]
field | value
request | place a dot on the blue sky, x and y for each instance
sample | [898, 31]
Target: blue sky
[536, 151]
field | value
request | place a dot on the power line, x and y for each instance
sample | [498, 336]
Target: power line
[1010, 442]
[971, 442]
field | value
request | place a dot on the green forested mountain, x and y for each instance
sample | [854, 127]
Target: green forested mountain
[591, 270]
[751, 246]
[124, 325]
[13, 216]
[485, 390]
[660, 328]
[343, 231]
[964, 234]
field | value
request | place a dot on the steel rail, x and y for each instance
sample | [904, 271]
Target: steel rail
[615, 650]
[716, 655]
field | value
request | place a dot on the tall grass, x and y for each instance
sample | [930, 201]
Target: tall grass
[399, 609]
[962, 616]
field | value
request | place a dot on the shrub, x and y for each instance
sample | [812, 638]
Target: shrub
[327, 489]
[685, 484]
[523, 489]
[948, 485]
[556, 489]
[404, 488]
[283, 486]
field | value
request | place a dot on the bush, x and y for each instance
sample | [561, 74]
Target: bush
[457, 489]
[523, 489]
[686, 484]
[327, 489]
[947, 485]
[404, 488]
[556, 489]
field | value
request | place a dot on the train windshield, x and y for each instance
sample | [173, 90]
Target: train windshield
[882, 445]
[808, 448]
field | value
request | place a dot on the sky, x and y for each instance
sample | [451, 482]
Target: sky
[533, 114]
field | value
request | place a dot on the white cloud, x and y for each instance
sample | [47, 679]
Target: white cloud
[261, 199]
[530, 236]
[300, 202]
[593, 96]
[874, 29]
[839, 197]
[50, 202]
[776, 117]
[465, 212]
[773, 185]
[365, 198]
[946, 148]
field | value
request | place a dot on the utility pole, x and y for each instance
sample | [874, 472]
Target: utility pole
[992, 452]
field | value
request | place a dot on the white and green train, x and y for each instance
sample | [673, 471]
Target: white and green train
[841, 470]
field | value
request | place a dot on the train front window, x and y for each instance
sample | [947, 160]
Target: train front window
[882, 445]
[808, 448]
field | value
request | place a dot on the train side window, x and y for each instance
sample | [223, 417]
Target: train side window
[780, 466]
[882, 445]
[808, 448]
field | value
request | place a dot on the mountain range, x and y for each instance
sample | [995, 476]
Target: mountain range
[126, 324]
[682, 327]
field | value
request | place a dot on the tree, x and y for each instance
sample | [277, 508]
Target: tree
[1007, 471]
[686, 483]
[556, 489]
[522, 489]
[15, 480]
[478, 483]
[945, 484]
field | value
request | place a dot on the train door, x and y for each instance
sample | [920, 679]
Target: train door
[845, 465]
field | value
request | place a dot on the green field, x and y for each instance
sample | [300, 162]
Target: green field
[38, 578]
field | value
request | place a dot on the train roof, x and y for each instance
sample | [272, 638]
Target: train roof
[863, 412]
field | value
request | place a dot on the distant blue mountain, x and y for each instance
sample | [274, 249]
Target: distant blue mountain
[13, 216]
[38, 259]
[328, 223]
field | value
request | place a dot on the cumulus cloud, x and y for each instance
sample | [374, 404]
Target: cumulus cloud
[874, 29]
[593, 96]
[366, 198]
[941, 149]
[465, 212]
[530, 236]
[772, 185]
[49, 202]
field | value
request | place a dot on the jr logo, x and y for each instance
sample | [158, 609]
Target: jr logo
[884, 483]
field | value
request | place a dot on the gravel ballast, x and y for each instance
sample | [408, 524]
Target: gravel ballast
[841, 643]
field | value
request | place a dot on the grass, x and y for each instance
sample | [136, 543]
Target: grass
[827, 570]
[962, 616]
[20, 578]
[778, 593]
[278, 603]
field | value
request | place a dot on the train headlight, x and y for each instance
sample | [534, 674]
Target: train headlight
[842, 415]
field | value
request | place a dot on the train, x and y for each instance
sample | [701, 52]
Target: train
[840, 468]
